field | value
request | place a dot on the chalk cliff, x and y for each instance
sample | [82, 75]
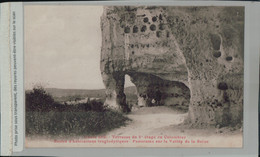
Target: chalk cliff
[195, 52]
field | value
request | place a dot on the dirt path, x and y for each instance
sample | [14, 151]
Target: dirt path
[149, 123]
[163, 121]
[149, 120]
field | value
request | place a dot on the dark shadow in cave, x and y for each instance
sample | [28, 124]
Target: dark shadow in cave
[152, 90]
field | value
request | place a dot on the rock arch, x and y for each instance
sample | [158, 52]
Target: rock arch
[200, 47]
[153, 90]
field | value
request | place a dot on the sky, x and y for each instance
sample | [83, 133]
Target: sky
[62, 46]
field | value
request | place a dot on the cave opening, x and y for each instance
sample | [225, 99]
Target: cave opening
[147, 90]
[130, 92]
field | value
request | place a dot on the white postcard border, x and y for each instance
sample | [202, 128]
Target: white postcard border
[251, 83]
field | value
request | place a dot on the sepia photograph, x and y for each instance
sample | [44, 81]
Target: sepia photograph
[133, 76]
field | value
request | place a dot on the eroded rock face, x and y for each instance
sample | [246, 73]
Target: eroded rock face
[196, 49]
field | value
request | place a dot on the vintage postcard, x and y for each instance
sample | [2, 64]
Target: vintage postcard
[129, 75]
[133, 76]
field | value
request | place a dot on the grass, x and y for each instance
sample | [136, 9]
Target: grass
[48, 118]
[64, 124]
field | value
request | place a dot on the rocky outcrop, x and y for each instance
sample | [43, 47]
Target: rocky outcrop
[196, 49]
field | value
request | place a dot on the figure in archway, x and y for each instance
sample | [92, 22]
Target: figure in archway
[158, 97]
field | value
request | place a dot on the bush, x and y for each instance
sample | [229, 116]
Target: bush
[72, 123]
[46, 117]
[38, 100]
